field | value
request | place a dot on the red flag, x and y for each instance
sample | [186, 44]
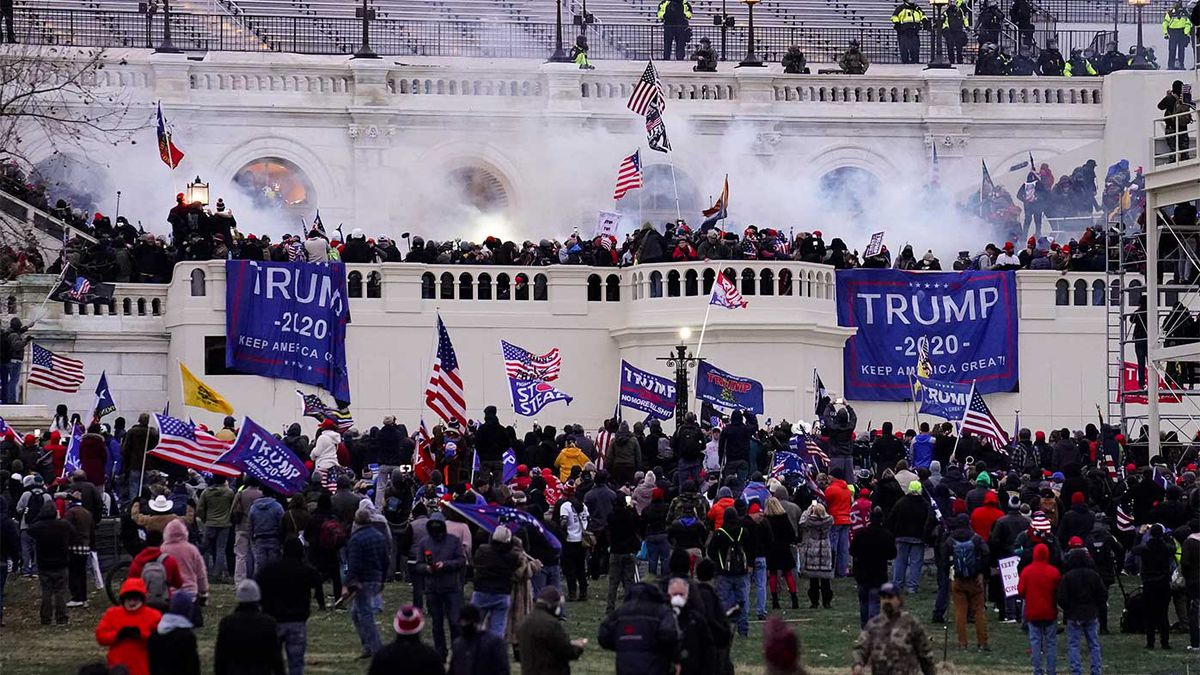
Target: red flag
[170, 155]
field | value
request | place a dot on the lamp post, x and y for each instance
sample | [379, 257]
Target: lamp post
[725, 21]
[559, 56]
[197, 191]
[681, 360]
[583, 19]
[149, 9]
[367, 15]
[938, 57]
[751, 59]
[1139, 57]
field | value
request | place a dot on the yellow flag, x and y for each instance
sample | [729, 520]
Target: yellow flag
[200, 395]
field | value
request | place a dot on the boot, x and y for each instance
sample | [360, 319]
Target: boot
[814, 596]
[795, 601]
[774, 601]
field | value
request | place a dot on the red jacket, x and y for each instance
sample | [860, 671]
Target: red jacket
[174, 578]
[837, 500]
[985, 516]
[93, 457]
[716, 514]
[1037, 585]
[128, 651]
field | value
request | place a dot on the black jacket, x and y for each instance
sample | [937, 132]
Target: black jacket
[287, 587]
[873, 548]
[697, 651]
[1157, 554]
[545, 647]
[643, 633]
[1076, 522]
[173, 652]
[1081, 594]
[909, 517]
[491, 440]
[53, 537]
[735, 442]
[623, 530]
[484, 653]
[494, 567]
[248, 644]
[392, 446]
[407, 655]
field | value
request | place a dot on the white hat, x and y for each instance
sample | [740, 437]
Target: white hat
[161, 504]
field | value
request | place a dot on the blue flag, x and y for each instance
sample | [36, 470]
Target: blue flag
[104, 401]
[490, 517]
[530, 396]
[947, 400]
[727, 390]
[256, 452]
[787, 463]
[475, 462]
[510, 465]
[71, 463]
[756, 492]
[646, 392]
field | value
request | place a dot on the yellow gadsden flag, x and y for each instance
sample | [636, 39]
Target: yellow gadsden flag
[200, 395]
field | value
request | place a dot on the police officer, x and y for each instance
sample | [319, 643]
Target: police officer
[1022, 64]
[793, 61]
[853, 61]
[1078, 66]
[705, 57]
[991, 22]
[674, 15]
[1050, 62]
[1177, 27]
[989, 61]
[908, 20]
[955, 24]
[579, 53]
[1112, 60]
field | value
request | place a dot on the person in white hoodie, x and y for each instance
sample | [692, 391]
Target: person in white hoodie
[324, 453]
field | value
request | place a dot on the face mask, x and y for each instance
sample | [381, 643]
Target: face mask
[678, 601]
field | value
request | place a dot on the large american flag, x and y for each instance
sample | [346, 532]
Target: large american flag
[55, 372]
[184, 444]
[315, 407]
[444, 395]
[726, 294]
[520, 364]
[979, 420]
[629, 175]
[80, 288]
[648, 89]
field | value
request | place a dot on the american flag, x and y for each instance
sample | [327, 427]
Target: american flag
[315, 407]
[604, 439]
[924, 365]
[979, 420]
[656, 130]
[519, 364]
[808, 449]
[183, 444]
[55, 372]
[1124, 520]
[629, 175]
[648, 89]
[295, 252]
[444, 395]
[80, 288]
[726, 295]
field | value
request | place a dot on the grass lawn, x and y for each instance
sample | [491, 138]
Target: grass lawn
[28, 648]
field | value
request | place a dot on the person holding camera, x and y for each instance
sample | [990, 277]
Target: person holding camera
[705, 57]
[675, 15]
[12, 343]
[793, 62]
[439, 560]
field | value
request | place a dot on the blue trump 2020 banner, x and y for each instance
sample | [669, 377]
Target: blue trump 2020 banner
[725, 390]
[256, 452]
[943, 399]
[967, 319]
[288, 321]
[647, 392]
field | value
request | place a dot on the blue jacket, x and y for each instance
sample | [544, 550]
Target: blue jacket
[366, 556]
[266, 516]
[922, 451]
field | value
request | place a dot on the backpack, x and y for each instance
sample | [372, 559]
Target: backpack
[33, 508]
[1132, 619]
[965, 565]
[331, 535]
[736, 564]
[691, 443]
[154, 575]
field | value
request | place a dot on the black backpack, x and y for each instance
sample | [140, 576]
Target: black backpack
[33, 508]
[1132, 620]
[691, 443]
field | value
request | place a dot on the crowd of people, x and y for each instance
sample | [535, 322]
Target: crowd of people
[689, 535]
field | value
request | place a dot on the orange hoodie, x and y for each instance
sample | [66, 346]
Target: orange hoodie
[128, 651]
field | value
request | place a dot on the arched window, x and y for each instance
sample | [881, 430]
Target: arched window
[485, 286]
[541, 288]
[1098, 293]
[447, 286]
[479, 187]
[10, 305]
[766, 285]
[612, 288]
[141, 307]
[656, 284]
[673, 284]
[1081, 293]
[1135, 293]
[593, 288]
[710, 278]
[427, 286]
[374, 285]
[272, 182]
[521, 282]
[1062, 293]
[502, 287]
[69, 310]
[785, 282]
[656, 200]
[749, 281]
[1114, 293]
[466, 287]
[198, 286]
[126, 307]
[155, 307]
[354, 284]
[691, 283]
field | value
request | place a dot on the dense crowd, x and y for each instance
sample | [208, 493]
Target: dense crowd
[690, 536]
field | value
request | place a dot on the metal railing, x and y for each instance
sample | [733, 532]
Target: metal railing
[390, 37]
[1103, 11]
[1170, 143]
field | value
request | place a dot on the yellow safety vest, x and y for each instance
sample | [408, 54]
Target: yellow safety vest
[1172, 22]
[906, 15]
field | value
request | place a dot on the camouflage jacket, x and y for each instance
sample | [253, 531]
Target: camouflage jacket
[896, 646]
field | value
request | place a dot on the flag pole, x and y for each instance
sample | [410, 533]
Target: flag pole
[703, 327]
[145, 451]
[954, 452]
[671, 159]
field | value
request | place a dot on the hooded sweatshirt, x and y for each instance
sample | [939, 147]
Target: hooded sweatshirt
[266, 518]
[128, 651]
[1038, 585]
[922, 452]
[984, 517]
[187, 557]
[325, 453]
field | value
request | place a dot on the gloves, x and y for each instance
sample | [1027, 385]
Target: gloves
[129, 633]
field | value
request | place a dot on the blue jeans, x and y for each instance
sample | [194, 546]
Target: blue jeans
[942, 601]
[868, 603]
[28, 554]
[550, 575]
[494, 607]
[660, 551]
[216, 543]
[294, 636]
[839, 543]
[760, 586]
[265, 550]
[133, 480]
[686, 471]
[906, 569]
[368, 601]
[1077, 630]
[734, 590]
[12, 382]
[1042, 638]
